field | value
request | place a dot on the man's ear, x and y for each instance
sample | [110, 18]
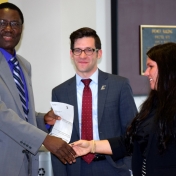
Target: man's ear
[71, 54]
[99, 53]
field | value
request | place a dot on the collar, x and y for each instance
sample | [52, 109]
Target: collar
[93, 77]
[6, 54]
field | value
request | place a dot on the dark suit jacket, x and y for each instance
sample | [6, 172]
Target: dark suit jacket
[156, 164]
[16, 134]
[116, 109]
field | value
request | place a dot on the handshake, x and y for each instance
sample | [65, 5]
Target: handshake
[67, 153]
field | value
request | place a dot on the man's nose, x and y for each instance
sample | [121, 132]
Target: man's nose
[8, 27]
[83, 54]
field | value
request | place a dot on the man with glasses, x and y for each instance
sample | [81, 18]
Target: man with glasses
[20, 138]
[111, 108]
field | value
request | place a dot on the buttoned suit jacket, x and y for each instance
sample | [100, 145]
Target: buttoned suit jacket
[116, 109]
[16, 134]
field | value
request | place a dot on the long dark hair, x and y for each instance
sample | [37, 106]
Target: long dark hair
[164, 98]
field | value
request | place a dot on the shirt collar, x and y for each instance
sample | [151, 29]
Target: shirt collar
[6, 54]
[93, 77]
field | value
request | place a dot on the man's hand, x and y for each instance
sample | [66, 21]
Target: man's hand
[50, 118]
[60, 148]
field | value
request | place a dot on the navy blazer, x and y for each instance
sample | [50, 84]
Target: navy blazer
[116, 109]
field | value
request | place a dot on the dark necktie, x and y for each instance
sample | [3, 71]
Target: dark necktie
[87, 129]
[20, 85]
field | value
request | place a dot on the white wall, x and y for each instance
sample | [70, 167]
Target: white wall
[45, 42]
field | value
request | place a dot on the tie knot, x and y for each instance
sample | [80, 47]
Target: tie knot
[86, 81]
[14, 61]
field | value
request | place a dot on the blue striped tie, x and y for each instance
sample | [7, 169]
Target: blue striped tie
[20, 85]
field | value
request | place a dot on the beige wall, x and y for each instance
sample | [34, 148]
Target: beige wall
[45, 41]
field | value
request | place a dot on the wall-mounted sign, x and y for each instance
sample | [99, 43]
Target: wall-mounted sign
[151, 35]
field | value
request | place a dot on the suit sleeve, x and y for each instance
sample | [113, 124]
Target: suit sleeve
[26, 135]
[40, 121]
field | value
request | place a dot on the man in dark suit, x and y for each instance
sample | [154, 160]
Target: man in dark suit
[113, 106]
[20, 138]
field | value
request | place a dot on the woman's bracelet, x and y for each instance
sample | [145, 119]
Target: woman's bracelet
[93, 146]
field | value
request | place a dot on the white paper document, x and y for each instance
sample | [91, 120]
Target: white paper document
[63, 128]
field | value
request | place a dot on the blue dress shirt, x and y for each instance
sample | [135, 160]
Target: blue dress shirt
[8, 56]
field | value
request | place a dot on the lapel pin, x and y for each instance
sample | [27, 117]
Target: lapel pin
[103, 87]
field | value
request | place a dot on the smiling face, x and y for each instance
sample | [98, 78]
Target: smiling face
[9, 37]
[85, 65]
[152, 73]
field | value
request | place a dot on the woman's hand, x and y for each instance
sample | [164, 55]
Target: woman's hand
[82, 147]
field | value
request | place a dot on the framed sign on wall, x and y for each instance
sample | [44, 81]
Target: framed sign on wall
[151, 35]
[132, 24]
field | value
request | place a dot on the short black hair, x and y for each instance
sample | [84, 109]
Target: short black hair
[85, 32]
[13, 7]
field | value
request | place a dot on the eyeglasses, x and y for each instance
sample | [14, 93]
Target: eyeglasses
[87, 51]
[13, 24]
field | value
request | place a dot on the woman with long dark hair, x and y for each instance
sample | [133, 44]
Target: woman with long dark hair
[151, 137]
